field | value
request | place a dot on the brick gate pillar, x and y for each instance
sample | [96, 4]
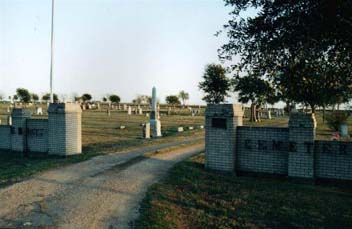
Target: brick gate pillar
[65, 129]
[301, 146]
[18, 129]
[221, 122]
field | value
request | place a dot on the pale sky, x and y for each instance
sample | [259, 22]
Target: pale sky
[110, 46]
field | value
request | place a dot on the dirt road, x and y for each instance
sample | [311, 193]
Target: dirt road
[104, 192]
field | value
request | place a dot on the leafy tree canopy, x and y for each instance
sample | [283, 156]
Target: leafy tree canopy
[35, 97]
[114, 98]
[172, 100]
[303, 47]
[215, 84]
[255, 90]
[23, 95]
[184, 96]
[46, 97]
[86, 97]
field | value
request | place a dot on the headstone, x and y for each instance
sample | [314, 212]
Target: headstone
[108, 112]
[158, 110]
[39, 111]
[193, 112]
[169, 110]
[8, 110]
[201, 127]
[154, 117]
[9, 120]
[344, 130]
[179, 129]
[129, 111]
[190, 128]
[122, 127]
[146, 130]
[269, 114]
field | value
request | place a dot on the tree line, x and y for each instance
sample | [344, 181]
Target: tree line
[25, 96]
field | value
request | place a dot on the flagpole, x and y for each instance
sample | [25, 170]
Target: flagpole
[52, 53]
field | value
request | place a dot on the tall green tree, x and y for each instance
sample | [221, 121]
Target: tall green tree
[23, 95]
[114, 98]
[35, 97]
[172, 100]
[184, 96]
[298, 45]
[46, 97]
[215, 84]
[252, 89]
[86, 97]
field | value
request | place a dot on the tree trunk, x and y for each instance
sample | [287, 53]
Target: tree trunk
[253, 113]
[313, 108]
[288, 105]
[257, 115]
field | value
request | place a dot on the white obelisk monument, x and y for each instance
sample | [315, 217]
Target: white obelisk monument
[155, 124]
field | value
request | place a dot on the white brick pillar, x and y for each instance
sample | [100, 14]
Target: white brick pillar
[18, 128]
[301, 145]
[65, 129]
[220, 135]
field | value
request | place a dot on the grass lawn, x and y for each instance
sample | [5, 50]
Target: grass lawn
[100, 135]
[192, 197]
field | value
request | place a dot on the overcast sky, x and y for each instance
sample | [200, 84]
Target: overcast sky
[109, 46]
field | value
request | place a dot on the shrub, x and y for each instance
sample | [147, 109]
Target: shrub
[335, 119]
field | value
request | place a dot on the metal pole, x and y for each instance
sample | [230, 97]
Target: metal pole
[52, 53]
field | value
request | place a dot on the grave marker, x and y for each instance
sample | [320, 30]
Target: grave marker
[155, 123]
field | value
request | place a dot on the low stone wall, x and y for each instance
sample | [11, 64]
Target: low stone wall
[333, 160]
[288, 151]
[262, 149]
[60, 134]
[5, 137]
[37, 135]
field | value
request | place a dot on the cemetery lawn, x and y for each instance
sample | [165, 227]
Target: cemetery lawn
[100, 135]
[192, 197]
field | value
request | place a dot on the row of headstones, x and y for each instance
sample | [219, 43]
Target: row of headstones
[134, 110]
[147, 133]
[38, 110]
[267, 114]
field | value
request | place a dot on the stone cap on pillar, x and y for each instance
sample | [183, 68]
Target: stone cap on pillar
[224, 110]
[302, 120]
[64, 108]
[21, 113]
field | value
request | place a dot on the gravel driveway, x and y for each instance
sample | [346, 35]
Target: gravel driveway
[103, 192]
